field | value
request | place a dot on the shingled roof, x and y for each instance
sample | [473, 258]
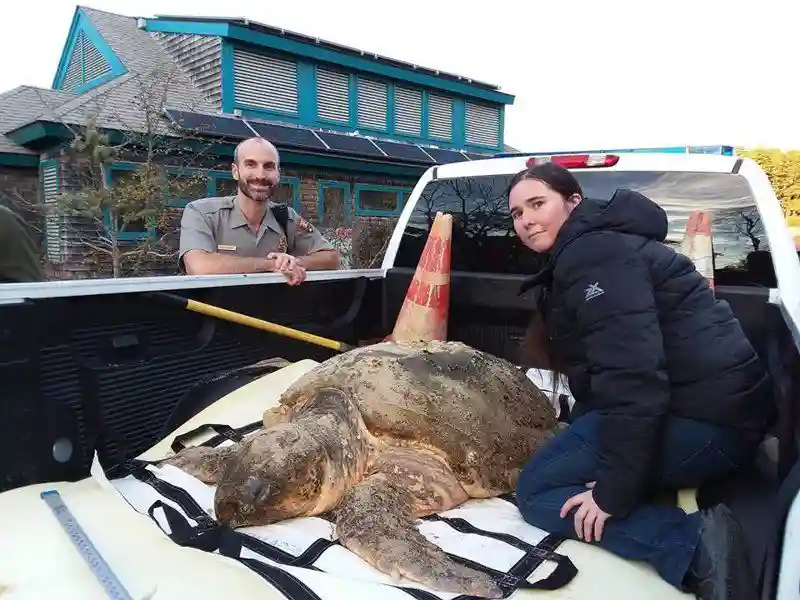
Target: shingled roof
[24, 104]
[151, 71]
[117, 104]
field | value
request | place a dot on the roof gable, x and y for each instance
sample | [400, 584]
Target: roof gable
[87, 60]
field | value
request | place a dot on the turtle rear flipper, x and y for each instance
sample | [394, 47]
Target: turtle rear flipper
[375, 521]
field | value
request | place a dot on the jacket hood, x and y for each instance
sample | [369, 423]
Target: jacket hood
[626, 212]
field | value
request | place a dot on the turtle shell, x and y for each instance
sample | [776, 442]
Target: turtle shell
[482, 412]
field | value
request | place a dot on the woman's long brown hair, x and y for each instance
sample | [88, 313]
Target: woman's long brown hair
[536, 350]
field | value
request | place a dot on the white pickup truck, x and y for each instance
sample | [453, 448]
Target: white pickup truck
[95, 373]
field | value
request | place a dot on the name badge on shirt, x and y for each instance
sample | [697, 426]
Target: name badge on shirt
[226, 248]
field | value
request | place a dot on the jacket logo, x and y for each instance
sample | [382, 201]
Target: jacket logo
[593, 291]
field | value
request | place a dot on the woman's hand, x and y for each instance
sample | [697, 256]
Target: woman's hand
[589, 518]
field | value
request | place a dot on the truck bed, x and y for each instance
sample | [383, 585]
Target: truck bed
[38, 560]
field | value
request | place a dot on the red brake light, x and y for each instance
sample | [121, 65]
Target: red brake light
[576, 161]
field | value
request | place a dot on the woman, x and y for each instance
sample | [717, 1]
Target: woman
[669, 392]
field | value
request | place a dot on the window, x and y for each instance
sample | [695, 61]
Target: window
[482, 125]
[408, 111]
[741, 254]
[334, 209]
[483, 233]
[133, 230]
[288, 192]
[378, 200]
[373, 102]
[265, 82]
[333, 96]
[184, 188]
[484, 239]
[440, 117]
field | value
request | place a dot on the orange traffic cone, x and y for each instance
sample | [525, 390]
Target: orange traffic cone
[698, 244]
[423, 316]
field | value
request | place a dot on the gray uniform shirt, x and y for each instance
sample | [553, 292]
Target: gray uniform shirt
[219, 225]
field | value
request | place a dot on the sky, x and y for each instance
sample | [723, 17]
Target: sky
[585, 73]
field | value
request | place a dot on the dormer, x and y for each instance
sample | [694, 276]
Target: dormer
[87, 61]
[260, 71]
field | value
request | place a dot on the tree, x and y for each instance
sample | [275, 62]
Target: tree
[100, 212]
[783, 170]
[127, 222]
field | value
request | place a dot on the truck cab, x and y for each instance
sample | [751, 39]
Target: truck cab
[97, 372]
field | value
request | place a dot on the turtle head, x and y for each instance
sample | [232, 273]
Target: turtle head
[276, 474]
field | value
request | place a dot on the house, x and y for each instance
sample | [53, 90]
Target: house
[355, 129]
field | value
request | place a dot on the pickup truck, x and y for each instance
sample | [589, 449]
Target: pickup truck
[97, 372]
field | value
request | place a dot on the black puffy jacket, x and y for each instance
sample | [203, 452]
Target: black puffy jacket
[642, 336]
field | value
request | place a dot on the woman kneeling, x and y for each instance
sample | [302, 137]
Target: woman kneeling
[669, 392]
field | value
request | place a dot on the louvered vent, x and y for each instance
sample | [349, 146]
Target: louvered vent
[408, 111]
[94, 64]
[74, 76]
[52, 221]
[333, 96]
[265, 81]
[482, 125]
[440, 117]
[85, 64]
[372, 104]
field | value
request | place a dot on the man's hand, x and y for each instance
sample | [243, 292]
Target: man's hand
[289, 267]
[589, 518]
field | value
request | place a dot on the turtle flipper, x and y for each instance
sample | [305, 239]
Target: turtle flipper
[376, 522]
[202, 462]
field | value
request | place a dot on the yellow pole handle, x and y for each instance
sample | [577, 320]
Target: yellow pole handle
[248, 321]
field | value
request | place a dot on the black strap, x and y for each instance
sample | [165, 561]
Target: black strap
[210, 535]
[225, 431]
[281, 212]
[517, 577]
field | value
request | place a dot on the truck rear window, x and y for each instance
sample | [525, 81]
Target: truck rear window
[484, 238]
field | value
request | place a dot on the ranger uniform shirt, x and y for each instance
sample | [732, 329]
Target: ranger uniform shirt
[219, 225]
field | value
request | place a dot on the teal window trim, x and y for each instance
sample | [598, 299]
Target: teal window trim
[402, 193]
[81, 22]
[458, 124]
[125, 236]
[322, 184]
[295, 183]
[211, 177]
[228, 84]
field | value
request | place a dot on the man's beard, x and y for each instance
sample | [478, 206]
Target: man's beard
[246, 188]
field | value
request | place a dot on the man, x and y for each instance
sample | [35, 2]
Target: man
[19, 257]
[241, 234]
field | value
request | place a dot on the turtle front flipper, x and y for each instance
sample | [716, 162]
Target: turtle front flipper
[202, 462]
[376, 522]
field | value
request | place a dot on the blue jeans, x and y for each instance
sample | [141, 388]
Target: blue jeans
[661, 535]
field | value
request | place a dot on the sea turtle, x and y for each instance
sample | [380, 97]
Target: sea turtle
[377, 437]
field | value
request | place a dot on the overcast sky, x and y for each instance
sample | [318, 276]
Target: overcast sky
[585, 73]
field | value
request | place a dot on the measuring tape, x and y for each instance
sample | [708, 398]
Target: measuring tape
[90, 554]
